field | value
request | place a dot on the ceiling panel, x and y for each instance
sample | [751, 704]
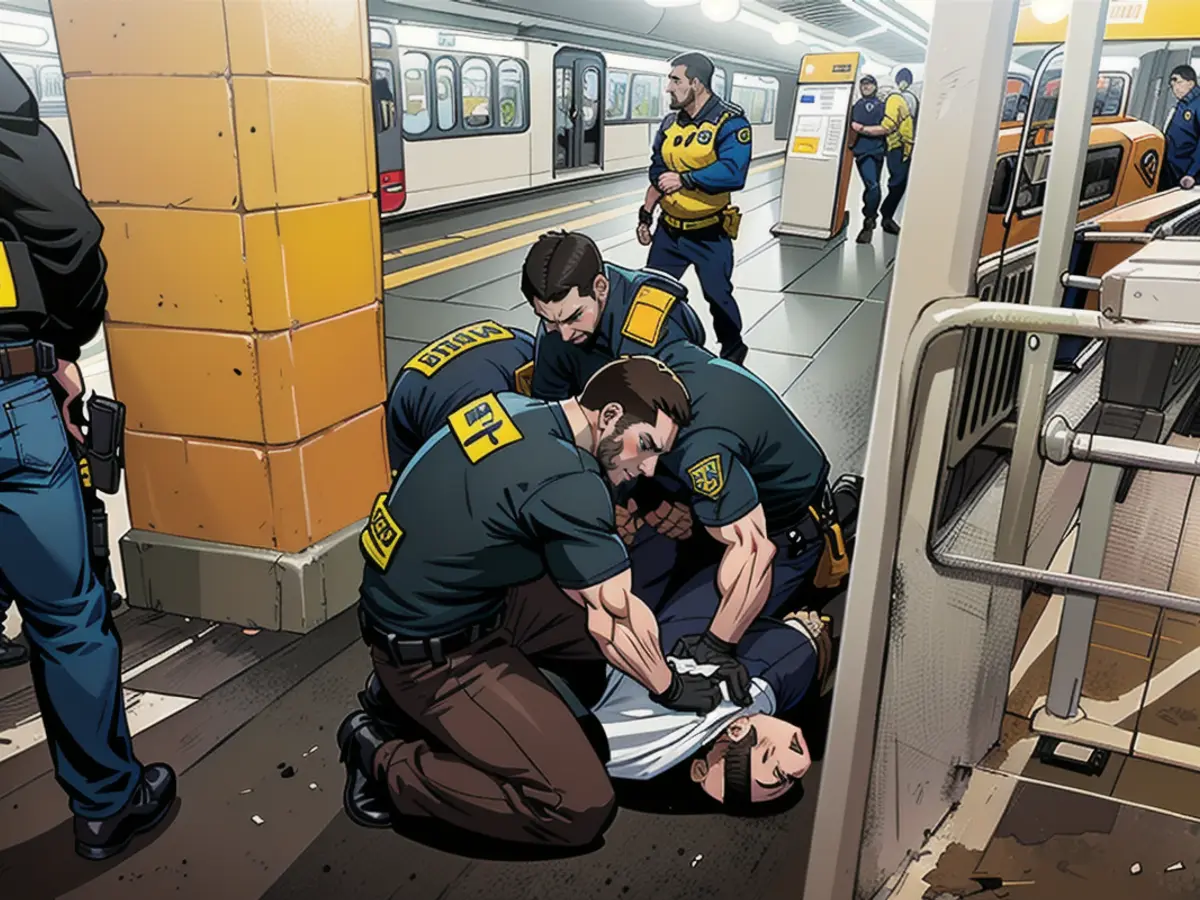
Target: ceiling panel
[830, 14]
[893, 46]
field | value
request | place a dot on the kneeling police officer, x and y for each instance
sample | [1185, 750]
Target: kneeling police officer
[455, 607]
[480, 358]
[593, 312]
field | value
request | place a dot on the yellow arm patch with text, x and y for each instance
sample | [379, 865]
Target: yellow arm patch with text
[382, 535]
[708, 477]
[647, 316]
[434, 355]
[483, 427]
[523, 379]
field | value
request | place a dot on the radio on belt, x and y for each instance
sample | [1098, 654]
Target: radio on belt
[1158, 283]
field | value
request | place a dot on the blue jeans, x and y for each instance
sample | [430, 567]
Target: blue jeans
[712, 255]
[75, 655]
[897, 167]
[870, 168]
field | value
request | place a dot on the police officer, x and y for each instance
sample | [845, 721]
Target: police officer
[701, 153]
[1181, 167]
[593, 312]
[509, 491]
[480, 358]
[875, 133]
[52, 298]
[758, 485]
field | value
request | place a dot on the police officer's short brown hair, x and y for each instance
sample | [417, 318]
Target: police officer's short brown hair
[559, 261]
[643, 386]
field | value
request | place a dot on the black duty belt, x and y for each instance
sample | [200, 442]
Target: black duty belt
[21, 361]
[814, 525]
[410, 651]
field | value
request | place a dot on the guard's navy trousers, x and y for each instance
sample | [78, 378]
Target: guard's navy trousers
[75, 656]
[711, 252]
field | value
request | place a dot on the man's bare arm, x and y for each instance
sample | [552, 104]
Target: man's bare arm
[653, 195]
[743, 575]
[626, 631]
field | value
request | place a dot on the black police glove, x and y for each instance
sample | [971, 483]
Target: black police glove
[645, 217]
[712, 651]
[700, 694]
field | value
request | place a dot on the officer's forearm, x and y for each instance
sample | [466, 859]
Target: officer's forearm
[626, 631]
[743, 575]
[653, 195]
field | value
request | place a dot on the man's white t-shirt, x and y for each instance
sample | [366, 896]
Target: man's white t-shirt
[645, 739]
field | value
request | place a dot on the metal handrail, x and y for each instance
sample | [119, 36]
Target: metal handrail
[1061, 444]
[954, 314]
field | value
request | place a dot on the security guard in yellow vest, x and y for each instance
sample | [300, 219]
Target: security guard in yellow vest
[701, 154]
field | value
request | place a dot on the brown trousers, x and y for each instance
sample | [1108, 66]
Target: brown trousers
[505, 758]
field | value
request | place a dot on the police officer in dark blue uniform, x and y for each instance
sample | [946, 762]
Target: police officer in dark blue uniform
[593, 312]
[701, 153]
[480, 358]
[1181, 167]
[52, 299]
[869, 151]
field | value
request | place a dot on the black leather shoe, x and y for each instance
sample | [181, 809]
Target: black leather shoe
[890, 226]
[364, 798]
[864, 236]
[12, 654]
[98, 839]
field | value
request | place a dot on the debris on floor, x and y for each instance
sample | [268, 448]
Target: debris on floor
[287, 772]
[699, 856]
[246, 791]
[310, 751]
[1135, 869]
[312, 786]
[257, 820]
[1174, 867]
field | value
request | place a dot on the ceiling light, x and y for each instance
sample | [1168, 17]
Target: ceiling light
[668, 3]
[721, 10]
[1050, 11]
[786, 33]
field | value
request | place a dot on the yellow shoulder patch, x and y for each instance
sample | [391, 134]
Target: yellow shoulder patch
[523, 379]
[85, 472]
[647, 315]
[382, 535]
[1187, 115]
[483, 427]
[744, 135]
[708, 476]
[430, 358]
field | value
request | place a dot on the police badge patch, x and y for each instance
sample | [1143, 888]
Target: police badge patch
[1187, 115]
[743, 136]
[705, 137]
[708, 478]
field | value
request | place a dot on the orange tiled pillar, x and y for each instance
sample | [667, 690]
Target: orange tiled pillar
[229, 149]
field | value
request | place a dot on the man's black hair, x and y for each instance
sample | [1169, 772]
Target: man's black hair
[905, 75]
[559, 261]
[696, 65]
[1186, 72]
[739, 798]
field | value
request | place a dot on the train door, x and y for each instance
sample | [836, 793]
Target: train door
[389, 132]
[579, 77]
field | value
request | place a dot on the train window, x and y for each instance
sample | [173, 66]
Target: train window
[719, 82]
[1110, 91]
[381, 36]
[1100, 174]
[512, 94]
[756, 96]
[1001, 185]
[591, 96]
[646, 93]
[383, 94]
[415, 67]
[617, 102]
[477, 93]
[443, 79]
